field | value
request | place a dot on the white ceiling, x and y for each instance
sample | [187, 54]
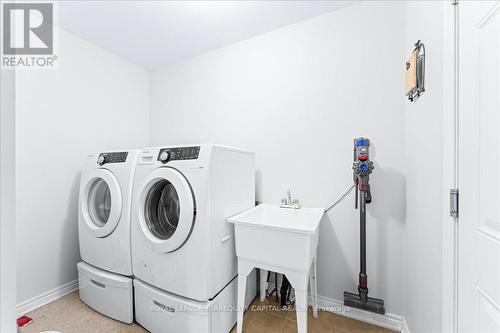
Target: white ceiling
[155, 33]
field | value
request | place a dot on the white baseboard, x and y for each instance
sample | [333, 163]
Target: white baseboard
[389, 320]
[404, 328]
[47, 297]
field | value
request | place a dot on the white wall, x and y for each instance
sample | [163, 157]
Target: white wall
[298, 96]
[93, 101]
[424, 173]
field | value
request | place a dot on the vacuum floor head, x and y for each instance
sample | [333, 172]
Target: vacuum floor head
[371, 304]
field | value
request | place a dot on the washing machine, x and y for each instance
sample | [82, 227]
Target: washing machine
[181, 242]
[104, 233]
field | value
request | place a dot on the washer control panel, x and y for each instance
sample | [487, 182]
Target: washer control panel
[118, 157]
[180, 153]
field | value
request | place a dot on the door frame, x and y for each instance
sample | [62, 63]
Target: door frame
[7, 203]
[450, 165]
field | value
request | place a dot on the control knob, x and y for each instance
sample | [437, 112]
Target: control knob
[164, 156]
[101, 160]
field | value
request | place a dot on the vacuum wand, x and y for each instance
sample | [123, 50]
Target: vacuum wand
[362, 168]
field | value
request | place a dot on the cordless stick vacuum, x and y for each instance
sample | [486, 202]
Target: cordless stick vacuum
[362, 168]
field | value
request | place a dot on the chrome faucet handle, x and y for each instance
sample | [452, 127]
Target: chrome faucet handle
[283, 201]
[295, 202]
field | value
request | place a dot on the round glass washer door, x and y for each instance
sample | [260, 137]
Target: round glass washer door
[101, 202]
[166, 209]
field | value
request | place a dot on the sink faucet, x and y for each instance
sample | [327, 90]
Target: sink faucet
[288, 202]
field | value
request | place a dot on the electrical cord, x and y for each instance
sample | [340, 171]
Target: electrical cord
[341, 198]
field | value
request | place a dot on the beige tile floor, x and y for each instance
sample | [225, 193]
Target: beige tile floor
[69, 315]
[274, 319]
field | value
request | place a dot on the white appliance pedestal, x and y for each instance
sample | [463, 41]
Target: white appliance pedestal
[159, 311]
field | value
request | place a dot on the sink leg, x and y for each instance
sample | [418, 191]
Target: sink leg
[242, 287]
[263, 284]
[314, 289]
[301, 309]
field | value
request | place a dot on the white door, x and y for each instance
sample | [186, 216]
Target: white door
[167, 209]
[100, 202]
[479, 167]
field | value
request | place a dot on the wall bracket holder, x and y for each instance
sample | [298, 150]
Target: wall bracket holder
[415, 72]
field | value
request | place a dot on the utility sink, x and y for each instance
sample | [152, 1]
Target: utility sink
[277, 236]
[302, 220]
[283, 240]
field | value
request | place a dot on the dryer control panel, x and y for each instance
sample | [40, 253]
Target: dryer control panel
[115, 157]
[179, 153]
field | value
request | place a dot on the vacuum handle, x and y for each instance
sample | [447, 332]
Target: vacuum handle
[362, 233]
